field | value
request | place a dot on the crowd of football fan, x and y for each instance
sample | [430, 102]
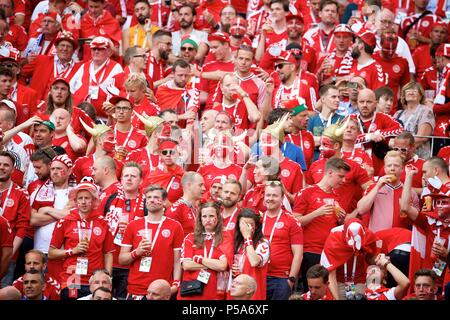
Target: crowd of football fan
[224, 150]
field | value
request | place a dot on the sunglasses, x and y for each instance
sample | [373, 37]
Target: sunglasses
[273, 183]
[187, 48]
[128, 205]
[404, 150]
[168, 152]
[279, 66]
[140, 56]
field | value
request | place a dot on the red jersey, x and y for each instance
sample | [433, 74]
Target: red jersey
[113, 190]
[320, 41]
[342, 65]
[52, 287]
[359, 156]
[210, 171]
[148, 162]
[282, 232]
[210, 86]
[423, 26]
[17, 36]
[397, 73]
[254, 198]
[305, 140]
[184, 213]
[373, 73]
[444, 153]
[422, 59]
[155, 68]
[305, 85]
[16, 209]
[189, 250]
[131, 140]
[66, 233]
[171, 181]
[391, 238]
[255, 21]
[316, 232]
[6, 235]
[166, 240]
[64, 143]
[327, 296]
[354, 179]
[239, 112]
[147, 107]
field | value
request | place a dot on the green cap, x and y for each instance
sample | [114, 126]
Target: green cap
[49, 124]
[190, 41]
[296, 110]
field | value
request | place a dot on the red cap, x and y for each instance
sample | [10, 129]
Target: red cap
[367, 37]
[167, 144]
[286, 56]
[238, 27]
[219, 36]
[439, 24]
[84, 185]
[119, 98]
[343, 28]
[297, 16]
[64, 159]
[443, 50]
[61, 80]
[66, 36]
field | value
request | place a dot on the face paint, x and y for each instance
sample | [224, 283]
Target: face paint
[268, 144]
[326, 148]
[389, 45]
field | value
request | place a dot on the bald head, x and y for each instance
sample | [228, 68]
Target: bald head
[10, 293]
[207, 120]
[104, 171]
[243, 287]
[158, 290]
[367, 103]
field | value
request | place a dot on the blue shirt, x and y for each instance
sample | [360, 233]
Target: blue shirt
[316, 127]
[289, 150]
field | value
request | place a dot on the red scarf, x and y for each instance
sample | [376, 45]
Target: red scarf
[376, 294]
[163, 178]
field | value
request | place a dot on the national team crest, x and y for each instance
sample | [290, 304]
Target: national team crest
[132, 144]
[175, 186]
[280, 225]
[165, 233]
[396, 68]
[307, 145]
[10, 203]
[97, 231]
[285, 173]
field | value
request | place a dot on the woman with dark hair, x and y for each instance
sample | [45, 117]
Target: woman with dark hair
[202, 258]
[250, 251]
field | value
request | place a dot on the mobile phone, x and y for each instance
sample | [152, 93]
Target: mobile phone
[352, 85]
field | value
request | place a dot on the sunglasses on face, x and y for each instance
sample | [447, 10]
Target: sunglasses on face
[140, 56]
[279, 66]
[168, 152]
[187, 49]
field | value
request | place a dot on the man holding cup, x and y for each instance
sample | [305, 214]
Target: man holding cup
[151, 246]
[85, 250]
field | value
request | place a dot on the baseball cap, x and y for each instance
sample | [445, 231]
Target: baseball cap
[443, 50]
[64, 159]
[286, 56]
[219, 36]
[167, 144]
[9, 104]
[342, 28]
[367, 37]
[298, 16]
[101, 43]
[47, 122]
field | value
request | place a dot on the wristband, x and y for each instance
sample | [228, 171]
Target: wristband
[198, 259]
[176, 283]
[386, 264]
[68, 253]
[134, 254]
[248, 242]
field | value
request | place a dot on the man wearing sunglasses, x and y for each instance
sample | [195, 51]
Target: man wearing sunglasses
[404, 143]
[294, 83]
[189, 49]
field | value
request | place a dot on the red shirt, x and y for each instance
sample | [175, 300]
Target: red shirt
[239, 112]
[444, 153]
[210, 86]
[6, 235]
[354, 179]
[373, 72]
[52, 287]
[286, 232]
[397, 73]
[148, 162]
[64, 143]
[317, 38]
[17, 210]
[210, 171]
[327, 296]
[187, 253]
[316, 232]
[422, 59]
[155, 69]
[305, 140]
[114, 188]
[66, 233]
[131, 140]
[423, 26]
[184, 213]
[170, 239]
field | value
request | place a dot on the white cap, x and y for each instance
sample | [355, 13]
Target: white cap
[9, 104]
